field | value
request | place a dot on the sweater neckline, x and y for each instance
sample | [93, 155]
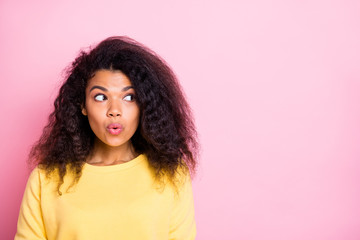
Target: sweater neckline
[117, 167]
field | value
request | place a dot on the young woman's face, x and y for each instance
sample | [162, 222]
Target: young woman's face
[111, 107]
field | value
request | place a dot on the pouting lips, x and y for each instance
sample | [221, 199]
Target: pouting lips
[114, 125]
[114, 128]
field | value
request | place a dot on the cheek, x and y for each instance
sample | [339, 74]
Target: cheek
[135, 118]
[94, 124]
[94, 118]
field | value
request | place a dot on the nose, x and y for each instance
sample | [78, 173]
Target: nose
[114, 110]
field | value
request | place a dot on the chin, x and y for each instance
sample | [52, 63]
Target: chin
[115, 143]
[109, 142]
[112, 144]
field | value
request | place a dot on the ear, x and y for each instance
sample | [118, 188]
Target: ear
[83, 111]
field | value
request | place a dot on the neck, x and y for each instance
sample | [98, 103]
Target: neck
[103, 155]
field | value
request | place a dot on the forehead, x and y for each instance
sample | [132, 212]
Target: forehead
[109, 79]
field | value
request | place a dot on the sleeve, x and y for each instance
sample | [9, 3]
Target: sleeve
[30, 222]
[182, 224]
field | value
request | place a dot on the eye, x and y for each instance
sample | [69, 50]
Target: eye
[100, 97]
[129, 97]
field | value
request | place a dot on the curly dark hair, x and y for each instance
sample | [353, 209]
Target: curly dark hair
[166, 133]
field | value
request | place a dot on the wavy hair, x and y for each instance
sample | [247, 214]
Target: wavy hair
[166, 133]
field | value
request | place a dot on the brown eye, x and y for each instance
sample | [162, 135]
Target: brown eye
[100, 97]
[129, 98]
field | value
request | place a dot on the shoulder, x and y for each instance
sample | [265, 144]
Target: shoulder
[182, 177]
[42, 178]
[35, 175]
[36, 178]
[40, 174]
[180, 184]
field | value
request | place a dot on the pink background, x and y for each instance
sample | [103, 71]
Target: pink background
[274, 86]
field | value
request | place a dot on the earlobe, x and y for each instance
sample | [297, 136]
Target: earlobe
[83, 111]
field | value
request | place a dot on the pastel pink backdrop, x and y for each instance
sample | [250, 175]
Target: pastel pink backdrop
[274, 86]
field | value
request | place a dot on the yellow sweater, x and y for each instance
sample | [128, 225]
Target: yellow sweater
[109, 202]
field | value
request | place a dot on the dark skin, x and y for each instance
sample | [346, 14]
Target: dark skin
[113, 116]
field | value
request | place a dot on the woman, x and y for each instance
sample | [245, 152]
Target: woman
[114, 161]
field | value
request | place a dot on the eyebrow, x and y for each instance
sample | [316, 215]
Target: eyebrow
[105, 89]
